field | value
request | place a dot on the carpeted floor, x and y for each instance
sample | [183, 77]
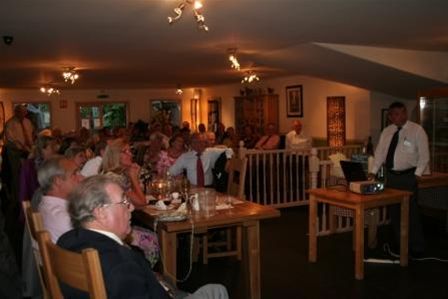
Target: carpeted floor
[286, 272]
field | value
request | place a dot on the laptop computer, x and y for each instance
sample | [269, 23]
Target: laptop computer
[353, 171]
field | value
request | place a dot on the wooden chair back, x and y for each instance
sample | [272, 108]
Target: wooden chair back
[78, 270]
[236, 168]
[33, 219]
[34, 224]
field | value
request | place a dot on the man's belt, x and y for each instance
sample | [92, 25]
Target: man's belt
[400, 172]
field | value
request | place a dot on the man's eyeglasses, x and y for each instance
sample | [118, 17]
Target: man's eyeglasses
[125, 202]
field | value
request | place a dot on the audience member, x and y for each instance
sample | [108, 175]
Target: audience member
[249, 137]
[117, 162]
[230, 138]
[296, 139]
[199, 162]
[44, 149]
[270, 140]
[201, 128]
[100, 212]
[77, 154]
[168, 157]
[92, 166]
[57, 177]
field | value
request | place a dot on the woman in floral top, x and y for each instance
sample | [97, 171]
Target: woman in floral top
[117, 161]
[168, 157]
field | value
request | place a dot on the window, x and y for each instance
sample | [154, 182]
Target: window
[38, 113]
[95, 116]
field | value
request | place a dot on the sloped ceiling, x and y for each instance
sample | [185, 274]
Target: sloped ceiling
[396, 47]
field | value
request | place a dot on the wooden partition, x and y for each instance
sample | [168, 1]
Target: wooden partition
[279, 178]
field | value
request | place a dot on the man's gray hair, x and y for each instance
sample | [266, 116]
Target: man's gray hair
[87, 196]
[48, 171]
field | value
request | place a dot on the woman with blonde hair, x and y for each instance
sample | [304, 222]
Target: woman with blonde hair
[117, 161]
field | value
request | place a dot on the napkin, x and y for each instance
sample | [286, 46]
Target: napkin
[182, 208]
[160, 205]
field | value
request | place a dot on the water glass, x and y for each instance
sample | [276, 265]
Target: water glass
[207, 202]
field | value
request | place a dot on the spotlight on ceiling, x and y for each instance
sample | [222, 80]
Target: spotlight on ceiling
[250, 78]
[234, 63]
[70, 75]
[179, 90]
[198, 16]
[49, 91]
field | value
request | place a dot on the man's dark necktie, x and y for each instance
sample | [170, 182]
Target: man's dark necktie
[391, 150]
[199, 172]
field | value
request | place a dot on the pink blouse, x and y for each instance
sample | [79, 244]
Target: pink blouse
[165, 162]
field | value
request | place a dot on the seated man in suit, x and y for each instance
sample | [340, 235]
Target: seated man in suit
[101, 213]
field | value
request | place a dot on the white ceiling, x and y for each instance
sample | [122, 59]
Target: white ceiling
[392, 46]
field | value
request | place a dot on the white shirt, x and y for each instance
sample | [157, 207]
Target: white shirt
[412, 148]
[297, 141]
[108, 234]
[188, 161]
[92, 166]
[55, 216]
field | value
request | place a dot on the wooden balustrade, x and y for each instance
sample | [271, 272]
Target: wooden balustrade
[279, 178]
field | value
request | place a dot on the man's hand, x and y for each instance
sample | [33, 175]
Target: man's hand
[371, 176]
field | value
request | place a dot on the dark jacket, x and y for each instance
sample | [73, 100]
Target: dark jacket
[126, 273]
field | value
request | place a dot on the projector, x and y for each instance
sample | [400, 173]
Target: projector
[366, 187]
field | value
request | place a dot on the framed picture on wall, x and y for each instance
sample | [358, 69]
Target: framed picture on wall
[294, 101]
[384, 118]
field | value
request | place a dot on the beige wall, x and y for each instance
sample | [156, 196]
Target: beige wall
[363, 108]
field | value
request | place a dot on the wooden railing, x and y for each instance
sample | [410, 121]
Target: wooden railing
[279, 178]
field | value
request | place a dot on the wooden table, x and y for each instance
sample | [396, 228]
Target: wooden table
[359, 203]
[246, 214]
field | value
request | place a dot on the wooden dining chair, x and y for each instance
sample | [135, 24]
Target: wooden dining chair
[34, 224]
[236, 169]
[79, 270]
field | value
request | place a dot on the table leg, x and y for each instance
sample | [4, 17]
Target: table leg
[312, 237]
[404, 231]
[169, 255]
[253, 251]
[359, 243]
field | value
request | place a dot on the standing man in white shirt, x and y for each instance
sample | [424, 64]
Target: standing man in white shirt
[403, 149]
[296, 139]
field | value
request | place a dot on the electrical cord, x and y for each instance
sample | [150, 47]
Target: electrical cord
[387, 249]
[190, 268]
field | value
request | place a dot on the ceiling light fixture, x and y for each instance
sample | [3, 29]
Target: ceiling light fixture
[179, 90]
[250, 77]
[49, 90]
[198, 16]
[70, 74]
[233, 60]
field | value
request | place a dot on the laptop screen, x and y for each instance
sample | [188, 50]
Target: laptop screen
[353, 171]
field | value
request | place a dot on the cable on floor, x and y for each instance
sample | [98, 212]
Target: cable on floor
[387, 249]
